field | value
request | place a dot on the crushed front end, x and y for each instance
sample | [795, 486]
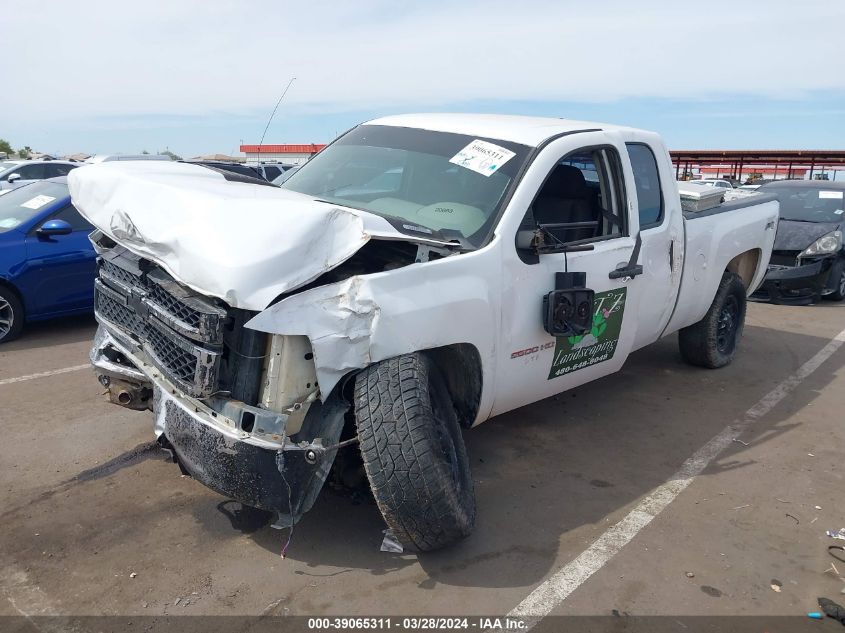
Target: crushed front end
[240, 409]
[795, 280]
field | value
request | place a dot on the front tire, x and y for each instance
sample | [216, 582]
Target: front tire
[413, 452]
[712, 342]
[837, 277]
[11, 315]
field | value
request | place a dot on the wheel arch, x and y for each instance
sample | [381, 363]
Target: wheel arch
[8, 285]
[460, 364]
[746, 266]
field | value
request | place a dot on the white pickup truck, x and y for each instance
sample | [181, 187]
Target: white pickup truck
[421, 274]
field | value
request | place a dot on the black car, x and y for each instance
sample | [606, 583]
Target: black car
[808, 260]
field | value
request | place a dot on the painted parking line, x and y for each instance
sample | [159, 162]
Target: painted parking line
[44, 374]
[553, 591]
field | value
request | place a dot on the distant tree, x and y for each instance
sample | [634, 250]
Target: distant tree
[173, 156]
[143, 151]
[25, 152]
[5, 148]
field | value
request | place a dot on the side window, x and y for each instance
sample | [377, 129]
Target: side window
[647, 181]
[582, 198]
[70, 215]
[271, 172]
[32, 172]
[59, 170]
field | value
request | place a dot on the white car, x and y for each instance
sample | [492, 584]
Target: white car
[15, 173]
[421, 274]
[715, 182]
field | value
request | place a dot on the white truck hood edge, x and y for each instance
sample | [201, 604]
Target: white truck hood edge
[274, 240]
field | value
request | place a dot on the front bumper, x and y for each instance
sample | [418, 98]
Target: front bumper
[271, 472]
[795, 285]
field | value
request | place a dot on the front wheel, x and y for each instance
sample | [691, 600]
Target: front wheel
[712, 342]
[413, 452]
[11, 315]
[837, 281]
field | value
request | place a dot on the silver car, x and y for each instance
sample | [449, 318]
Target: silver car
[14, 173]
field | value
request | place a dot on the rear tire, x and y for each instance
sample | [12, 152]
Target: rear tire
[11, 315]
[413, 452]
[713, 341]
[837, 277]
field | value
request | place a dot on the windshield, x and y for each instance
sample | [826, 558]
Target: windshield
[434, 184]
[809, 204]
[5, 166]
[23, 204]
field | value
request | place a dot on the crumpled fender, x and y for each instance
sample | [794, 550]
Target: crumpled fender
[367, 318]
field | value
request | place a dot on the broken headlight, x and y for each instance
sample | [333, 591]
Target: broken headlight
[825, 245]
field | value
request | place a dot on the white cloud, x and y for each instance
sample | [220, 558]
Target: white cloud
[95, 58]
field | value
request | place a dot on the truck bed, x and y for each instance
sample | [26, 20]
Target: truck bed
[712, 239]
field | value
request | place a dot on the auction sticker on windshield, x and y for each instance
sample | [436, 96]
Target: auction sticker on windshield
[37, 202]
[599, 344]
[482, 157]
[831, 195]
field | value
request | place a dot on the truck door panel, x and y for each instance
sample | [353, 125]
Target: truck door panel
[584, 183]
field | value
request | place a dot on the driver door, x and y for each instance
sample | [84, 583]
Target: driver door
[583, 183]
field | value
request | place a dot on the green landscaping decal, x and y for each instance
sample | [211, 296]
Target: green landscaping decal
[599, 344]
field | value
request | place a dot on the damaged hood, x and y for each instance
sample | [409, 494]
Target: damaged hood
[244, 243]
[796, 236]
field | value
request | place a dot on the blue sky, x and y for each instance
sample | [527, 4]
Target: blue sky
[199, 77]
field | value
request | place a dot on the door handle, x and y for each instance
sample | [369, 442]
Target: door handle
[626, 271]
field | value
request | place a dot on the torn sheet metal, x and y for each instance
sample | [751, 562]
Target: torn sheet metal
[367, 318]
[243, 243]
[274, 475]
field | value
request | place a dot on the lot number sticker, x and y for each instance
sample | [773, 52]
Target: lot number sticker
[831, 195]
[599, 344]
[482, 157]
[37, 202]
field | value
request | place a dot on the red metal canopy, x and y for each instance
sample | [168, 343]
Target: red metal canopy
[310, 148]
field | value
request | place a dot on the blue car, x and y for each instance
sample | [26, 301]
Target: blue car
[47, 264]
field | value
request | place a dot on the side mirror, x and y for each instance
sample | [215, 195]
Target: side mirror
[13, 177]
[54, 227]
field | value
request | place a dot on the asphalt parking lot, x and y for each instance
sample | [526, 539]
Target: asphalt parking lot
[96, 521]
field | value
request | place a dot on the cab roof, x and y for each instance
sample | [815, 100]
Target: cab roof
[526, 130]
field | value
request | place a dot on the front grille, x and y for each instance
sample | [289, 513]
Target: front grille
[175, 307]
[786, 259]
[120, 274]
[112, 310]
[180, 362]
[180, 331]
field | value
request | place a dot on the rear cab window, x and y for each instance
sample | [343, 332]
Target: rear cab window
[647, 182]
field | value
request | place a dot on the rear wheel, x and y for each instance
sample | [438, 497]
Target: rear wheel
[11, 315]
[837, 280]
[712, 342]
[413, 452]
